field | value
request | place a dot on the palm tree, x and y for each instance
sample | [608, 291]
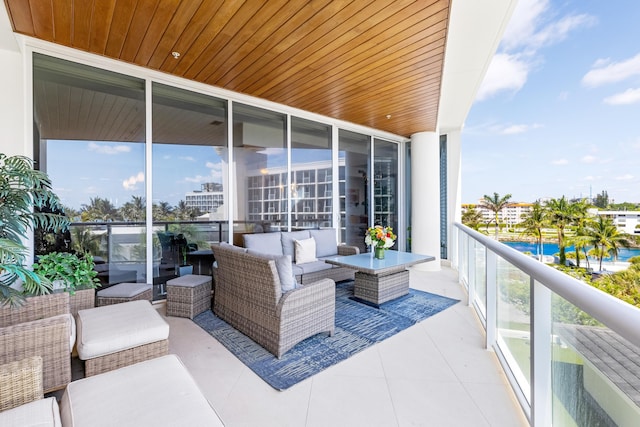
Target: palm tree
[162, 211]
[495, 204]
[580, 219]
[24, 192]
[559, 215]
[135, 210]
[99, 209]
[606, 238]
[472, 218]
[533, 223]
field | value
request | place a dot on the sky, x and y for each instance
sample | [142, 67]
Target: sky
[558, 113]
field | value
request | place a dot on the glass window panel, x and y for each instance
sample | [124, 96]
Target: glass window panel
[190, 164]
[260, 161]
[355, 169]
[310, 164]
[89, 135]
[385, 184]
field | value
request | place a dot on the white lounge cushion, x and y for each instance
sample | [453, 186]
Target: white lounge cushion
[305, 250]
[40, 413]
[124, 290]
[112, 328]
[157, 392]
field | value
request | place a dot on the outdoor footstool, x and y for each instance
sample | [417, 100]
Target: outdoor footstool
[118, 335]
[188, 296]
[158, 392]
[124, 292]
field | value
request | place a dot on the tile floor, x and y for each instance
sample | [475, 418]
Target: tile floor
[436, 373]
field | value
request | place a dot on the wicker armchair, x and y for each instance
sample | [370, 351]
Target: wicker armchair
[41, 327]
[20, 382]
[249, 297]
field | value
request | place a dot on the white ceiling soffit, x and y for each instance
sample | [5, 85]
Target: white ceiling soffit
[475, 31]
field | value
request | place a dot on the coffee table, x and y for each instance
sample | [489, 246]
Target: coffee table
[380, 280]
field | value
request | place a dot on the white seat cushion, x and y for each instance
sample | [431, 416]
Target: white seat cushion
[157, 392]
[112, 328]
[124, 290]
[40, 413]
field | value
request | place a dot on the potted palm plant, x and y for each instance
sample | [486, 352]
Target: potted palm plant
[23, 192]
[70, 273]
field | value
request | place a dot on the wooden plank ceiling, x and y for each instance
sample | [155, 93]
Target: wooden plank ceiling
[376, 63]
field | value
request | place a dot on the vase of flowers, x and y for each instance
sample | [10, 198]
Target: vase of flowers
[380, 239]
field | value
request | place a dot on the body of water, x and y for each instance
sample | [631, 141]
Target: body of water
[552, 249]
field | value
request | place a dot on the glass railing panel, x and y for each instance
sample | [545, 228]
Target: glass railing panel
[464, 259]
[513, 318]
[595, 372]
[480, 285]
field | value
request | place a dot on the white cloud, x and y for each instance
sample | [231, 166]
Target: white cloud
[131, 182]
[187, 158]
[588, 159]
[212, 165]
[505, 73]
[515, 129]
[563, 96]
[604, 71]
[560, 162]
[109, 148]
[592, 178]
[629, 96]
[625, 177]
[531, 28]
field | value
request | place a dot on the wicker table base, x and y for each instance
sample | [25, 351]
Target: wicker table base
[378, 289]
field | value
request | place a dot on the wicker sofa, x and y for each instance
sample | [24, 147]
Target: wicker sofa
[42, 326]
[248, 295]
[282, 243]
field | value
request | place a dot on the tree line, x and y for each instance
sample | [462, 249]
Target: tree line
[594, 236]
[101, 209]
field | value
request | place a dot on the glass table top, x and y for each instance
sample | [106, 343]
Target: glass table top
[367, 263]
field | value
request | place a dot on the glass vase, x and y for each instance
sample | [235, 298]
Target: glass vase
[379, 253]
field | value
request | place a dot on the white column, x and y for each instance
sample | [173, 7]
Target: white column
[425, 197]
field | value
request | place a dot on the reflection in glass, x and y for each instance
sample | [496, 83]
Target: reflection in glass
[259, 171]
[89, 134]
[190, 164]
[355, 169]
[385, 184]
[311, 174]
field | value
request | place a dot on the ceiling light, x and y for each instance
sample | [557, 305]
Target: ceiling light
[176, 55]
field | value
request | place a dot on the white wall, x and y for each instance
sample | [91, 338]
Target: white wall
[12, 104]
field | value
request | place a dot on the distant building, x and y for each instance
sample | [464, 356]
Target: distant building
[511, 214]
[208, 199]
[626, 221]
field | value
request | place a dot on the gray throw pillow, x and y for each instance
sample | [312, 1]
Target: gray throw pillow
[267, 243]
[283, 265]
[326, 242]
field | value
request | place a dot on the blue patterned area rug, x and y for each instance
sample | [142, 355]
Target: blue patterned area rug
[358, 326]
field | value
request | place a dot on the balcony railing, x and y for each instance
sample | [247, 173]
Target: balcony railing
[571, 352]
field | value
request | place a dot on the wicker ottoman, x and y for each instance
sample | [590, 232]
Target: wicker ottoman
[118, 335]
[124, 292]
[188, 296]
